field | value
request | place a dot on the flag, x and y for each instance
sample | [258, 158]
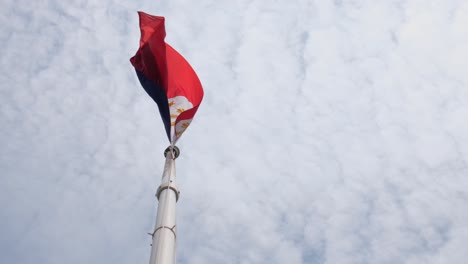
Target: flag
[167, 77]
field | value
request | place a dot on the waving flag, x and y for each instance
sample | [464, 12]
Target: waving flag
[167, 77]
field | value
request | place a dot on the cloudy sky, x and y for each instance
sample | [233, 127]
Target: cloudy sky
[330, 132]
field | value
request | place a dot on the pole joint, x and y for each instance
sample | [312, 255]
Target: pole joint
[168, 186]
[167, 227]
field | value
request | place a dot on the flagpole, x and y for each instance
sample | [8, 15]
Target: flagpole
[164, 234]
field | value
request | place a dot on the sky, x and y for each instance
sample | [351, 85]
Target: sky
[330, 132]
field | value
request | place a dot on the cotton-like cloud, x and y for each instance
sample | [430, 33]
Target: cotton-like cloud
[330, 132]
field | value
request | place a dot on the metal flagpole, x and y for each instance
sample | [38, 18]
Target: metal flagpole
[164, 234]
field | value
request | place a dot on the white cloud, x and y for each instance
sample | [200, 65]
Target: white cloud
[330, 132]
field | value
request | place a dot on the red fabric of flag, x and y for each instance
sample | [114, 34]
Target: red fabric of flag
[167, 77]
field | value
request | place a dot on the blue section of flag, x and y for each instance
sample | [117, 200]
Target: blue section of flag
[159, 96]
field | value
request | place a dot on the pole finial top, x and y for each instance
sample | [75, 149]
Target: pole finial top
[175, 150]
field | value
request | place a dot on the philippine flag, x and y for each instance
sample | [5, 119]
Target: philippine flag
[167, 77]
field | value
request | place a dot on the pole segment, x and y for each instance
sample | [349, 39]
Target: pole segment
[164, 234]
